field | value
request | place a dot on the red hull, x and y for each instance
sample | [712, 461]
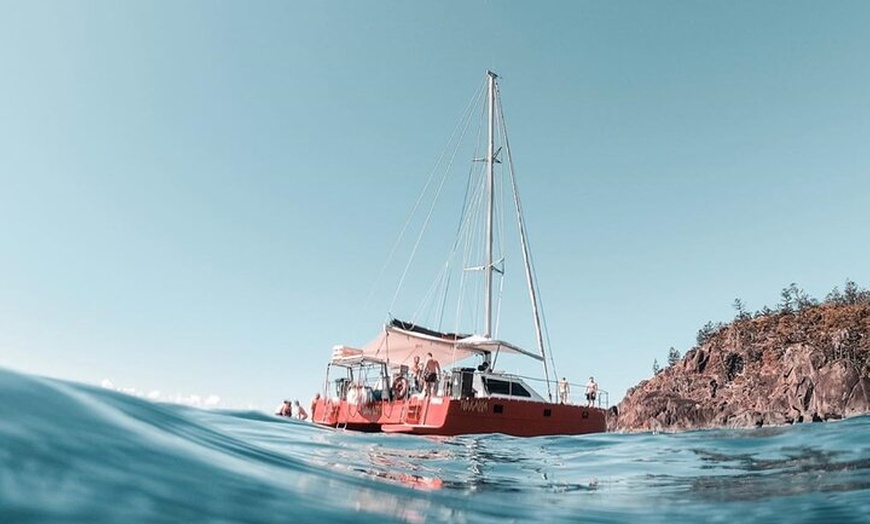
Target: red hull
[449, 416]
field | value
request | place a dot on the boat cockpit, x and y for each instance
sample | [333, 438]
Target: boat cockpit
[357, 378]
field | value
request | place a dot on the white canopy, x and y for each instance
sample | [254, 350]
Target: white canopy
[398, 346]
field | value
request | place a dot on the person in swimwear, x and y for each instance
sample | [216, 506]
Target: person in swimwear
[431, 372]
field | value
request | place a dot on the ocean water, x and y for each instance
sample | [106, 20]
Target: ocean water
[76, 453]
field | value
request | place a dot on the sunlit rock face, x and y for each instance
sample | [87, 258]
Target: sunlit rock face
[812, 364]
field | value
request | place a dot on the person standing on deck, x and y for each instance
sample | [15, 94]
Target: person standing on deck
[564, 390]
[591, 392]
[417, 373]
[431, 372]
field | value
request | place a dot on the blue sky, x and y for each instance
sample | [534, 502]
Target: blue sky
[198, 197]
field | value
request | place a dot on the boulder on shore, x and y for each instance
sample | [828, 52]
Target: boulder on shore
[782, 368]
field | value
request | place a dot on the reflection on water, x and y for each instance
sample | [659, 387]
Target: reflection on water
[468, 463]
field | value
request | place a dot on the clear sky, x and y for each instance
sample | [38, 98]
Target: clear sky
[197, 197]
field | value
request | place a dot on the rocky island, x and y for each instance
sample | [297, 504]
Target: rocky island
[804, 361]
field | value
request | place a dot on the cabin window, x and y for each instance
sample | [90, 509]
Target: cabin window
[504, 387]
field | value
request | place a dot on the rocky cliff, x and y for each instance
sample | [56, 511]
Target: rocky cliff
[784, 367]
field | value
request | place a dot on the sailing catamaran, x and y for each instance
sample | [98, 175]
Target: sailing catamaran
[379, 387]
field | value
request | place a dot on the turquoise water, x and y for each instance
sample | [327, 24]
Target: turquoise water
[75, 453]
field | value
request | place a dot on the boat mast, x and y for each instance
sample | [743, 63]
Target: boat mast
[488, 267]
[490, 179]
[527, 262]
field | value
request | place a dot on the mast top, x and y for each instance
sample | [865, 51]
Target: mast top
[491, 74]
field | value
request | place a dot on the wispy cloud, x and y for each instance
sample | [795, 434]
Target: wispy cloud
[195, 400]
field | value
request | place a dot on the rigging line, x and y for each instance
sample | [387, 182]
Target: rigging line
[465, 119]
[542, 315]
[465, 242]
[469, 106]
[435, 200]
[502, 237]
[475, 241]
[537, 309]
[501, 284]
[444, 274]
[419, 314]
[462, 226]
[461, 233]
[462, 242]
[466, 236]
[442, 307]
[463, 229]
[466, 239]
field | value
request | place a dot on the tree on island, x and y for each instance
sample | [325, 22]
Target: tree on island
[740, 307]
[673, 356]
[852, 294]
[793, 299]
[707, 332]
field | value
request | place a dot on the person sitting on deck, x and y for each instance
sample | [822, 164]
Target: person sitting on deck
[431, 372]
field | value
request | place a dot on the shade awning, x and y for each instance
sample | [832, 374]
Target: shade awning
[399, 346]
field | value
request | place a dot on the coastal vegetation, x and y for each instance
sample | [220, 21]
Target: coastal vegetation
[804, 359]
[793, 301]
